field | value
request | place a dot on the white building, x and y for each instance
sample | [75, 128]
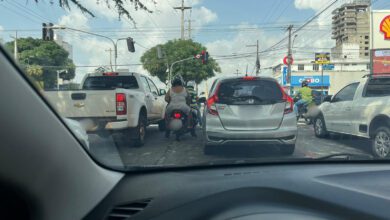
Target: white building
[335, 75]
[68, 47]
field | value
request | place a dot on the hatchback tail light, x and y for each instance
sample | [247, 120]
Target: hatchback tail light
[211, 108]
[121, 104]
[289, 105]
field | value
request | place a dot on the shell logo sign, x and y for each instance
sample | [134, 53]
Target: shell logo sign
[385, 27]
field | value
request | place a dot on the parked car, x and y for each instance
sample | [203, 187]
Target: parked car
[245, 110]
[361, 109]
[121, 102]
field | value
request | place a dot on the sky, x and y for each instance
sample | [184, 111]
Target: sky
[225, 27]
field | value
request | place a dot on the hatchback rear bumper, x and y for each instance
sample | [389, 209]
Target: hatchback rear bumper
[286, 134]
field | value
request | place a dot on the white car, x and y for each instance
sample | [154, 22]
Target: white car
[115, 102]
[361, 109]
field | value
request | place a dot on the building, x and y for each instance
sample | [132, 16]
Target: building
[68, 47]
[351, 29]
[335, 75]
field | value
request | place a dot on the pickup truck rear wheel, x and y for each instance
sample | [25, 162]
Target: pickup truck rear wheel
[140, 131]
[381, 142]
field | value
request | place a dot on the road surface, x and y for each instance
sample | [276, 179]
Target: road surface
[159, 151]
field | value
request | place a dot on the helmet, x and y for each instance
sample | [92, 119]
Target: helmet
[305, 83]
[191, 84]
[177, 81]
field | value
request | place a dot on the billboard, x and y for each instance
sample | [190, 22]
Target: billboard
[380, 29]
[380, 59]
[313, 80]
[322, 58]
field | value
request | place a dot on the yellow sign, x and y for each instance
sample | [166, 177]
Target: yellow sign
[322, 58]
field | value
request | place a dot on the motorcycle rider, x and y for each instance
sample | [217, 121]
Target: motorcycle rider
[305, 93]
[193, 99]
[178, 98]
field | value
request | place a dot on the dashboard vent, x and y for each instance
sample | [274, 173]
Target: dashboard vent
[126, 211]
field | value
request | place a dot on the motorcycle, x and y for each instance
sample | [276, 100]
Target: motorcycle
[304, 110]
[177, 122]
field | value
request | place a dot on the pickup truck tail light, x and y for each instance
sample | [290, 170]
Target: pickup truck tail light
[121, 104]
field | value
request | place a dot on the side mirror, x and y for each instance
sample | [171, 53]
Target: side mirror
[202, 100]
[328, 98]
[163, 92]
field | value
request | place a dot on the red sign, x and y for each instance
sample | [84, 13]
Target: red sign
[380, 61]
[288, 61]
[385, 27]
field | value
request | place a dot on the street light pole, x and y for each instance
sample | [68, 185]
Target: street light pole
[115, 43]
[170, 70]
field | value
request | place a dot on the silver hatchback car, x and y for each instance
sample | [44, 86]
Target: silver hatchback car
[249, 110]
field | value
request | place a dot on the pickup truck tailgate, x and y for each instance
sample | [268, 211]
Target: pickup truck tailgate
[74, 104]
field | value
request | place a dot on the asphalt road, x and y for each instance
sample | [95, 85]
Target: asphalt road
[159, 151]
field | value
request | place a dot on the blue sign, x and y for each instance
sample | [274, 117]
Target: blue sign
[284, 75]
[328, 66]
[314, 80]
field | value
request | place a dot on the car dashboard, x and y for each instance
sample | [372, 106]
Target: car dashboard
[302, 191]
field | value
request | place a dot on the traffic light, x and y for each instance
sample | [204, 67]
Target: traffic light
[130, 44]
[47, 31]
[204, 56]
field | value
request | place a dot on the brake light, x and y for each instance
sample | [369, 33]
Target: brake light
[177, 115]
[211, 108]
[121, 104]
[249, 78]
[110, 74]
[289, 107]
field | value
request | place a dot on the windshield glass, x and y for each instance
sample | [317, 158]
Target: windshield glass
[157, 84]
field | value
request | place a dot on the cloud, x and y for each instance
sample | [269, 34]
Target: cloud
[308, 4]
[152, 29]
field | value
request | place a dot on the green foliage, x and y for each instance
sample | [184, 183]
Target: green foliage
[176, 50]
[41, 60]
[119, 5]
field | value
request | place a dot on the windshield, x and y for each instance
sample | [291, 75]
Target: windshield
[255, 81]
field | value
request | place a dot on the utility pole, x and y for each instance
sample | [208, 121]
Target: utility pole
[15, 45]
[110, 51]
[182, 8]
[189, 28]
[237, 71]
[289, 57]
[257, 56]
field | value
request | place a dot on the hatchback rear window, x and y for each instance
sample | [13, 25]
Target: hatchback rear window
[377, 87]
[110, 82]
[246, 92]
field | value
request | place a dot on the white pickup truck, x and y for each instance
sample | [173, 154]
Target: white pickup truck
[115, 102]
[360, 109]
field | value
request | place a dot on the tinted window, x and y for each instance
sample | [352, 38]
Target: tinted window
[243, 92]
[378, 87]
[347, 93]
[145, 83]
[110, 82]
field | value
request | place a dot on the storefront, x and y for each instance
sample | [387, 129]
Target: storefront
[316, 82]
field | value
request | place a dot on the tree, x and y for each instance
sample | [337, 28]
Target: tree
[177, 50]
[118, 5]
[42, 59]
